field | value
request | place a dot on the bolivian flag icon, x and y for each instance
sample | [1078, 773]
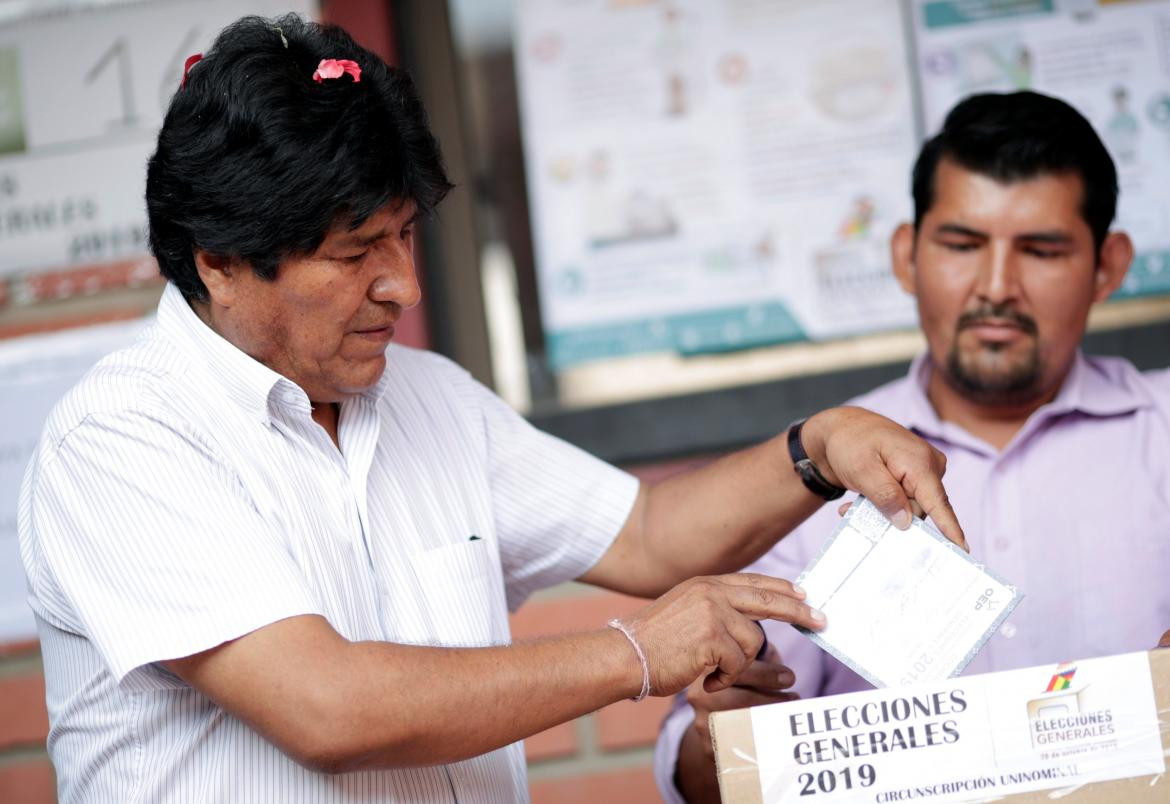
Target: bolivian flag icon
[1062, 679]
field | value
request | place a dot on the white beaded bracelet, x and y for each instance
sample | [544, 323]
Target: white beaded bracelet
[619, 626]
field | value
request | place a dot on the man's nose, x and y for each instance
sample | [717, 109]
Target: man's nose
[999, 274]
[397, 281]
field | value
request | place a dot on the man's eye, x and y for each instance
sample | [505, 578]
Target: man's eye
[960, 246]
[1044, 253]
[352, 258]
[408, 233]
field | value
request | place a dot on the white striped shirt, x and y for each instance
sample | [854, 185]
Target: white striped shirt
[181, 496]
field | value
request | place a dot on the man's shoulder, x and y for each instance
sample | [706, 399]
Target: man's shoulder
[140, 377]
[1121, 377]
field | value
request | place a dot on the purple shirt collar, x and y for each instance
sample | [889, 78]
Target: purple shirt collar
[1086, 390]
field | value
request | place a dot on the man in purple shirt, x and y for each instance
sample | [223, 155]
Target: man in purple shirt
[1058, 464]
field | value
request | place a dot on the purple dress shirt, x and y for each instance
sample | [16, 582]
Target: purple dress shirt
[1075, 511]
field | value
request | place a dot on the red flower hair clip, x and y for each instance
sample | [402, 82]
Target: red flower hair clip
[191, 61]
[335, 68]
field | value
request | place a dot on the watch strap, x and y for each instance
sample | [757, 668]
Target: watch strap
[803, 465]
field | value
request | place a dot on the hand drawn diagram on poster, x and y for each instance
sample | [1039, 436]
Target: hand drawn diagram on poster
[83, 90]
[1108, 58]
[713, 175]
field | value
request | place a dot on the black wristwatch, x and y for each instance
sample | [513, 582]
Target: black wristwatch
[810, 475]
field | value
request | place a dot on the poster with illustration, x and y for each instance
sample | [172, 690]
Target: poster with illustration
[707, 176]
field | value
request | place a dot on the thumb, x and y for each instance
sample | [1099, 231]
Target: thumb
[891, 500]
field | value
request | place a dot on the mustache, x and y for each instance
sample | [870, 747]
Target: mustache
[996, 313]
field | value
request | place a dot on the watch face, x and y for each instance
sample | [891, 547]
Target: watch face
[814, 482]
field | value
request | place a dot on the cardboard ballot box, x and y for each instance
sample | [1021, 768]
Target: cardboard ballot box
[1096, 730]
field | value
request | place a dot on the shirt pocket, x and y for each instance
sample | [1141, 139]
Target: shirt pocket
[463, 593]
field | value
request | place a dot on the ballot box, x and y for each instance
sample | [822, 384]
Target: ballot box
[1094, 730]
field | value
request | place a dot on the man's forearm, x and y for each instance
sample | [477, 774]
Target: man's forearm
[725, 515]
[336, 705]
[715, 519]
[443, 705]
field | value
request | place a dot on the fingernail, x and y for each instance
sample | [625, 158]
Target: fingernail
[902, 519]
[816, 614]
[800, 591]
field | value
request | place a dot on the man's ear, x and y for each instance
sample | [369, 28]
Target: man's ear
[902, 256]
[1113, 264]
[218, 275]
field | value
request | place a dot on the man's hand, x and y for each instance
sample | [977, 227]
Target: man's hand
[894, 468]
[704, 628]
[1164, 642]
[764, 681]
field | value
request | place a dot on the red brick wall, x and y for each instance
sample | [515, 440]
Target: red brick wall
[605, 756]
[26, 777]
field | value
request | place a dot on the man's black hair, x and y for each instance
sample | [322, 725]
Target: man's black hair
[1018, 136]
[257, 161]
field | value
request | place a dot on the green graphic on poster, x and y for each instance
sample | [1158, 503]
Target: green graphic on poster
[11, 109]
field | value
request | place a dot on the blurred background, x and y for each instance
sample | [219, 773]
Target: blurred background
[668, 236]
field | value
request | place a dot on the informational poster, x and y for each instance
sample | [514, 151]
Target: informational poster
[83, 90]
[1108, 58]
[713, 175]
[35, 372]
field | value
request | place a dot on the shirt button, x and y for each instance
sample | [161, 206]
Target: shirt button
[1002, 544]
[1007, 630]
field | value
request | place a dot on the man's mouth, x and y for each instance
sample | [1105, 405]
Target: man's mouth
[382, 333]
[993, 329]
[996, 325]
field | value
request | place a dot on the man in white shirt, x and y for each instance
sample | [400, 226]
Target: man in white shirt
[1057, 461]
[271, 555]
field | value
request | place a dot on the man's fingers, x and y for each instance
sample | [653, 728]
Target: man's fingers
[759, 604]
[766, 676]
[731, 661]
[933, 499]
[755, 580]
[885, 492]
[739, 698]
[747, 633]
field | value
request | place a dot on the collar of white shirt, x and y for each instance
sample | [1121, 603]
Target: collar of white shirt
[249, 383]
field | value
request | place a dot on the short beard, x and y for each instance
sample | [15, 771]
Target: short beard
[1014, 384]
[1017, 385]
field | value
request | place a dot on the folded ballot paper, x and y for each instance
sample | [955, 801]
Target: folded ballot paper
[902, 606]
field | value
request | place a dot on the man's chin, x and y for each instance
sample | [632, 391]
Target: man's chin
[996, 379]
[358, 382]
